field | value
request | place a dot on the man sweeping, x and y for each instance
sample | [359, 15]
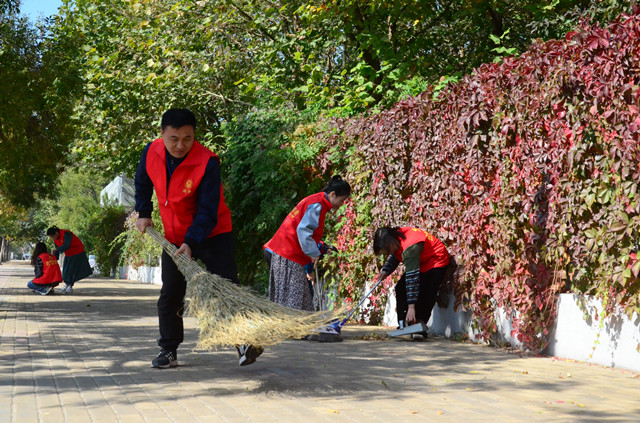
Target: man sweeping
[186, 178]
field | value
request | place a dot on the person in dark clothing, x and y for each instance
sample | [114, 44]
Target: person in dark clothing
[76, 263]
[47, 270]
[425, 259]
[196, 219]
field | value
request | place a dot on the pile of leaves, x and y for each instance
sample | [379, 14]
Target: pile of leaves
[526, 169]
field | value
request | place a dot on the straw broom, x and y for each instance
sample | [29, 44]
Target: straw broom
[230, 314]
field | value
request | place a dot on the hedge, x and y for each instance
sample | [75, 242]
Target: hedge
[526, 169]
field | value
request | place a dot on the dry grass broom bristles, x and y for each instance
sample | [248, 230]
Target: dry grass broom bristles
[230, 314]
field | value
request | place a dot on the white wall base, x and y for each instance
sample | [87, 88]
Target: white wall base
[614, 342]
[390, 317]
[574, 337]
[145, 274]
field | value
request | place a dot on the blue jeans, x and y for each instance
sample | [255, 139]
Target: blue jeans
[38, 287]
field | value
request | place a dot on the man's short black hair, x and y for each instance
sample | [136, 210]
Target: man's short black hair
[178, 118]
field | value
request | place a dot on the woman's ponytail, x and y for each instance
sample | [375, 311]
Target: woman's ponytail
[338, 185]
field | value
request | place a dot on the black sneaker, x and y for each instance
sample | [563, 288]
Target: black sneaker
[165, 359]
[248, 354]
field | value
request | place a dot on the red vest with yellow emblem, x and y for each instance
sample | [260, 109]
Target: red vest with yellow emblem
[433, 255]
[285, 241]
[50, 270]
[76, 246]
[177, 202]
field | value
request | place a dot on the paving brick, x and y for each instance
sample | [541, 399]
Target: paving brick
[85, 358]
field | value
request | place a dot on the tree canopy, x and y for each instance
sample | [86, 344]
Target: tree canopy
[138, 58]
[225, 58]
[8, 6]
[35, 128]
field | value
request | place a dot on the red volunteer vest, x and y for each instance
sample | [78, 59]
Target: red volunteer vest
[76, 246]
[50, 270]
[433, 255]
[177, 203]
[285, 241]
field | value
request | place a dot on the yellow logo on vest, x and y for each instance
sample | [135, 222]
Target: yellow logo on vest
[187, 186]
[294, 213]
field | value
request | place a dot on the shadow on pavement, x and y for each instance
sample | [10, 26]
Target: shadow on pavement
[104, 336]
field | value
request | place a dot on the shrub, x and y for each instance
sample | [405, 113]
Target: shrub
[137, 249]
[268, 167]
[105, 226]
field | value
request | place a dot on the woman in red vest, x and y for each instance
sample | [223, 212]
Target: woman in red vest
[295, 244]
[425, 260]
[76, 264]
[46, 269]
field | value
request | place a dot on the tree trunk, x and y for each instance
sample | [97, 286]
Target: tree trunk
[3, 248]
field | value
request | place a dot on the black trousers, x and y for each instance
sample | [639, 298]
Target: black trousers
[218, 255]
[267, 257]
[429, 284]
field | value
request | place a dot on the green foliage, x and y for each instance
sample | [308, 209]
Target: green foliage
[106, 224]
[154, 55]
[78, 202]
[137, 249]
[223, 58]
[78, 209]
[9, 6]
[24, 227]
[552, 20]
[34, 125]
[352, 56]
[269, 166]
[500, 49]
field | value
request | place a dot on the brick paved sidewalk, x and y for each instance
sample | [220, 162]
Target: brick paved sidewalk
[85, 358]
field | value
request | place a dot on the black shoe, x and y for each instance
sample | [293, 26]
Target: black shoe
[248, 354]
[165, 359]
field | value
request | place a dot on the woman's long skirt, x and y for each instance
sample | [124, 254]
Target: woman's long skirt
[288, 284]
[75, 267]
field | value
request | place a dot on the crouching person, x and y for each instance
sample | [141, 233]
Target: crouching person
[47, 270]
[425, 260]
